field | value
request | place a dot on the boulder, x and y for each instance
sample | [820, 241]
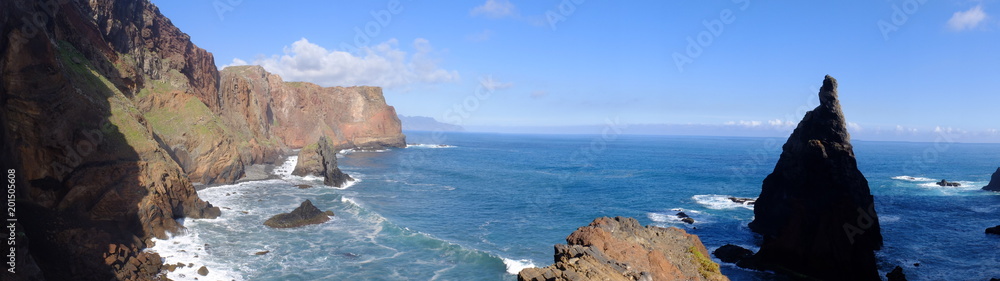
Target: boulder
[994, 184]
[730, 253]
[320, 159]
[993, 230]
[947, 183]
[621, 249]
[815, 210]
[305, 214]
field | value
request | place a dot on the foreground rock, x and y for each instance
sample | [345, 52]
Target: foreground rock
[815, 211]
[994, 184]
[93, 182]
[896, 274]
[993, 230]
[320, 159]
[948, 183]
[621, 249]
[305, 214]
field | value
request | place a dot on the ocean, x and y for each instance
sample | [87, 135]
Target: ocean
[479, 206]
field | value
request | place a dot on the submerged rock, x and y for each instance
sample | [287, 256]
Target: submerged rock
[948, 183]
[305, 214]
[994, 184]
[741, 200]
[815, 210]
[621, 249]
[320, 159]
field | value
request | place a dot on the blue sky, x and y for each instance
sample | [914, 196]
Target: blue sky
[906, 68]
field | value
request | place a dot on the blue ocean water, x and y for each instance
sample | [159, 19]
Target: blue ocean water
[482, 206]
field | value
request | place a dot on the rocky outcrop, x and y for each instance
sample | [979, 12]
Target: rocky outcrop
[95, 182]
[815, 211]
[994, 184]
[730, 253]
[305, 214]
[948, 183]
[621, 249]
[993, 230]
[320, 159]
[300, 112]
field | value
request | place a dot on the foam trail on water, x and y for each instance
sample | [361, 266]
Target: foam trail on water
[721, 202]
[190, 249]
[909, 178]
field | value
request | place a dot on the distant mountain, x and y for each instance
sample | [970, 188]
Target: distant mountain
[422, 123]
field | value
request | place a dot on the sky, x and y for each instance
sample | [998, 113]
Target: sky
[908, 70]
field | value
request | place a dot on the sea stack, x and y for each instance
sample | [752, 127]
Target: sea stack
[320, 159]
[994, 182]
[815, 210]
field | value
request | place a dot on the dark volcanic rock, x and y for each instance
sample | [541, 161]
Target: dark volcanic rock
[815, 210]
[320, 159]
[731, 253]
[896, 274]
[621, 249]
[947, 183]
[305, 214]
[994, 182]
[993, 230]
[744, 201]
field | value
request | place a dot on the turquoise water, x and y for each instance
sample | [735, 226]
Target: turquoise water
[486, 205]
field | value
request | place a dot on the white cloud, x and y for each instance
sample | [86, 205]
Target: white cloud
[854, 127]
[382, 65]
[780, 123]
[967, 19]
[494, 9]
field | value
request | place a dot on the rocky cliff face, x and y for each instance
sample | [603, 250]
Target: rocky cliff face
[815, 211]
[994, 184]
[94, 180]
[320, 159]
[621, 249]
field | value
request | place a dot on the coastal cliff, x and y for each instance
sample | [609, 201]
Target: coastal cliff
[621, 249]
[301, 112]
[95, 182]
[111, 115]
[815, 210]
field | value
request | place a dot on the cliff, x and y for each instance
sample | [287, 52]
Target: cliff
[621, 249]
[994, 184]
[815, 211]
[95, 182]
[111, 114]
[301, 112]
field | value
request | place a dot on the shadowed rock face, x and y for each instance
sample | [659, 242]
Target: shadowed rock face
[621, 249]
[305, 214]
[994, 184]
[94, 181]
[320, 159]
[815, 210]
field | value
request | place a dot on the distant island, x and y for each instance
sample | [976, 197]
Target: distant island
[423, 123]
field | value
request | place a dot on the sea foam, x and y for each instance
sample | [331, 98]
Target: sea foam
[424, 145]
[909, 178]
[515, 266]
[720, 202]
